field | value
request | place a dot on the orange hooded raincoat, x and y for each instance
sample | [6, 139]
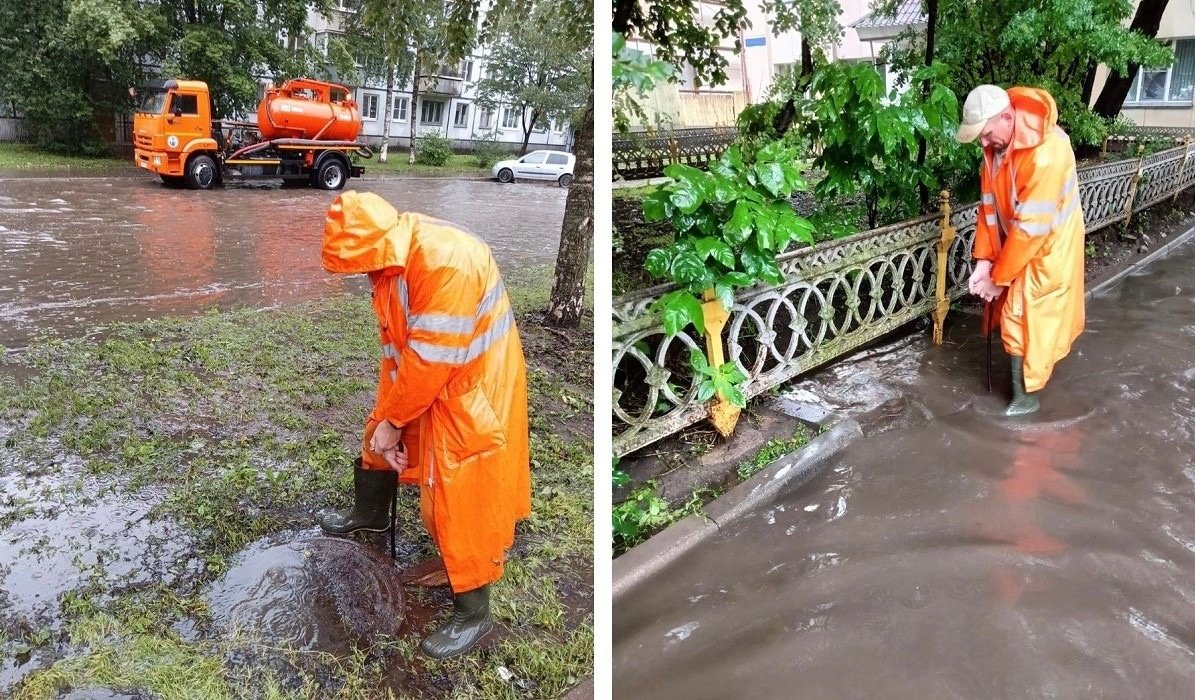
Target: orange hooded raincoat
[1030, 226]
[452, 376]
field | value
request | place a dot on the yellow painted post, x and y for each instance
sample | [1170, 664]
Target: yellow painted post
[1178, 181]
[948, 234]
[723, 415]
[1128, 213]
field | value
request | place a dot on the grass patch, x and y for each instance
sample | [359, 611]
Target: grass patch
[396, 164]
[633, 192]
[771, 451]
[23, 155]
[242, 423]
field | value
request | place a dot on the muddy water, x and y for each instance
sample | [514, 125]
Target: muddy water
[950, 553]
[79, 252]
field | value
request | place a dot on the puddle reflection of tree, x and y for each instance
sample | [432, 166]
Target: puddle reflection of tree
[1040, 461]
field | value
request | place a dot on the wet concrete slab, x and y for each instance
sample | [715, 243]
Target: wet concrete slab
[78, 252]
[952, 553]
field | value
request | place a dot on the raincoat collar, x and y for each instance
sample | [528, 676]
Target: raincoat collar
[1036, 116]
[364, 233]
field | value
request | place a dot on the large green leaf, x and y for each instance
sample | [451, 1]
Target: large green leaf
[687, 267]
[657, 262]
[656, 206]
[678, 309]
[771, 176]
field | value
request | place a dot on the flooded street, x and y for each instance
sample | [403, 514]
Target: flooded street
[950, 553]
[77, 252]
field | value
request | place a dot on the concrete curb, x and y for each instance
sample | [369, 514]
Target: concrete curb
[626, 184]
[1105, 283]
[790, 471]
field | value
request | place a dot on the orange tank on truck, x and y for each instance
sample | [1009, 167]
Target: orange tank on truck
[305, 134]
[308, 109]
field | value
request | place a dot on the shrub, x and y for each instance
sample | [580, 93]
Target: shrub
[433, 150]
[487, 150]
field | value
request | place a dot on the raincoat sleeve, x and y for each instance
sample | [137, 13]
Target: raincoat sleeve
[1050, 182]
[440, 328]
[987, 232]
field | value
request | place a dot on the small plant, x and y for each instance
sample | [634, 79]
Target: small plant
[639, 515]
[723, 380]
[771, 451]
[487, 150]
[433, 149]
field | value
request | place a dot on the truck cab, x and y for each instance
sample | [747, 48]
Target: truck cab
[172, 133]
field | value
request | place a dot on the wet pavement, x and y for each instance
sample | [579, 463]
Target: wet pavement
[950, 553]
[79, 252]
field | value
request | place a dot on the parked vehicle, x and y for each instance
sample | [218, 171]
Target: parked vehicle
[537, 165]
[305, 133]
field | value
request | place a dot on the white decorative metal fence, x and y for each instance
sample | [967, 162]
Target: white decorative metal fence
[837, 297]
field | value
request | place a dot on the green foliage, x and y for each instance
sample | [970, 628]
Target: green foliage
[1051, 44]
[644, 513]
[771, 451]
[634, 74]
[870, 138]
[724, 380]
[488, 150]
[433, 149]
[539, 64]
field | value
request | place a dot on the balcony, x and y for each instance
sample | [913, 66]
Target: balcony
[444, 80]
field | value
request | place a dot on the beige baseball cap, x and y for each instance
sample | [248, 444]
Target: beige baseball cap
[984, 102]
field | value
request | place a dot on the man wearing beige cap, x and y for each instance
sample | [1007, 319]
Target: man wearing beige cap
[1028, 233]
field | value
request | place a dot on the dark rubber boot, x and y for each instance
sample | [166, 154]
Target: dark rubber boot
[373, 490]
[470, 622]
[1023, 402]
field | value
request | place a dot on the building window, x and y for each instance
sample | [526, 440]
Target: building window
[460, 115]
[399, 112]
[468, 71]
[485, 118]
[369, 106]
[347, 5]
[510, 118]
[1175, 84]
[431, 112]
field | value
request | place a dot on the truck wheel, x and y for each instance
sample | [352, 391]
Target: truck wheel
[506, 175]
[331, 175]
[565, 180]
[201, 173]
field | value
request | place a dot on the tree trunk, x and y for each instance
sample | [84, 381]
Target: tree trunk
[527, 130]
[414, 104]
[1146, 21]
[389, 111]
[1088, 82]
[783, 120]
[931, 19]
[576, 236]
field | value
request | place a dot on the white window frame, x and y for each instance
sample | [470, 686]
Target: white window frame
[1133, 98]
[517, 118]
[423, 104]
[468, 71]
[460, 123]
[406, 107]
[344, 6]
[488, 115]
[365, 102]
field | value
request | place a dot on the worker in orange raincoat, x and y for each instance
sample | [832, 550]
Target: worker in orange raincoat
[1029, 233]
[451, 408]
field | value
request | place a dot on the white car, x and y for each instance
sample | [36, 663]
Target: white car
[537, 165]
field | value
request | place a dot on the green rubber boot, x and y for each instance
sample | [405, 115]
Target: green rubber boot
[1023, 402]
[372, 491]
[470, 622]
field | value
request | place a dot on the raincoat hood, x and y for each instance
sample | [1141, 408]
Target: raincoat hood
[364, 233]
[1037, 115]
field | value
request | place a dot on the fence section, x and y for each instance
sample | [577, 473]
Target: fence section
[645, 154]
[837, 297]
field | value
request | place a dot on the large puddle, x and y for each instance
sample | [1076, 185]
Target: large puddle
[79, 252]
[950, 553]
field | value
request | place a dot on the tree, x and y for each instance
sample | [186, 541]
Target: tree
[1146, 21]
[1052, 44]
[539, 65]
[576, 235]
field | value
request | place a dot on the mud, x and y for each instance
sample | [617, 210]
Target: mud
[76, 253]
[951, 553]
[322, 594]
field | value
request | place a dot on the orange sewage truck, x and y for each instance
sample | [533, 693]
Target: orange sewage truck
[305, 133]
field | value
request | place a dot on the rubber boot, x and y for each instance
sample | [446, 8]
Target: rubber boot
[373, 490]
[1023, 402]
[470, 622]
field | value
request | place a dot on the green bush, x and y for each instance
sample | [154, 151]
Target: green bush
[488, 150]
[433, 150]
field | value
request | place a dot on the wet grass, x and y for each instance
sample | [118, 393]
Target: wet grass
[241, 424]
[23, 155]
[396, 164]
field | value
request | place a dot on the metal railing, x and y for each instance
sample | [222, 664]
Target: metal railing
[645, 154]
[837, 297]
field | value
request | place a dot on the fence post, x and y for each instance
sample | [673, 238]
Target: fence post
[1178, 181]
[723, 415]
[1128, 214]
[943, 272]
[672, 148]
